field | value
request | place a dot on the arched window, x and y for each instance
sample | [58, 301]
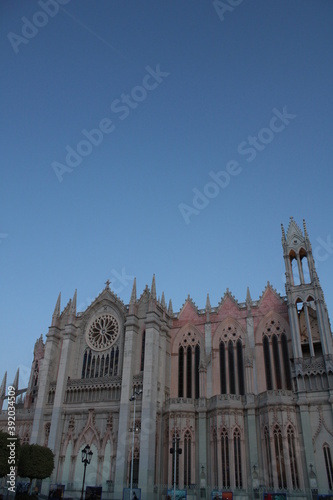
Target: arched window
[223, 381]
[268, 458]
[267, 360]
[292, 457]
[225, 459]
[231, 367]
[111, 361]
[276, 357]
[143, 343]
[187, 459]
[181, 372]
[97, 367]
[286, 364]
[215, 464]
[279, 457]
[102, 366]
[196, 371]
[240, 367]
[116, 359]
[92, 371]
[238, 460]
[328, 465]
[84, 365]
[175, 445]
[189, 372]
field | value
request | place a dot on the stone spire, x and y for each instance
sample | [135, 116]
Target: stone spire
[73, 304]
[170, 310]
[3, 386]
[248, 296]
[3, 390]
[133, 295]
[208, 306]
[56, 313]
[283, 234]
[163, 304]
[16, 380]
[153, 288]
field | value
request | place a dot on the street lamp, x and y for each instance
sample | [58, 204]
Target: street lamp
[86, 455]
[133, 398]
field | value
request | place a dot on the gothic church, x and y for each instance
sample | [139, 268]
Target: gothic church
[245, 387]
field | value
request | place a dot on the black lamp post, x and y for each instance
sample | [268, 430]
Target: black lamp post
[86, 455]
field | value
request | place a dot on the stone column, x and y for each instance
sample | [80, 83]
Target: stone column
[57, 421]
[50, 357]
[149, 407]
[202, 440]
[208, 353]
[124, 437]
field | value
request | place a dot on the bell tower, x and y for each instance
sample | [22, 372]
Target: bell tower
[308, 316]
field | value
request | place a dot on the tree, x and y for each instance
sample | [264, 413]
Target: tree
[8, 454]
[35, 462]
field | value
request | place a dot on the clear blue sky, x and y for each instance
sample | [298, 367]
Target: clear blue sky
[180, 90]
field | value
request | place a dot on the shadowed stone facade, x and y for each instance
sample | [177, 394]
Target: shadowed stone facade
[246, 387]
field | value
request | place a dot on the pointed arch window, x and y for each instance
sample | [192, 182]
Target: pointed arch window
[181, 372]
[175, 479]
[292, 457]
[267, 360]
[196, 371]
[143, 344]
[187, 459]
[268, 457]
[225, 459]
[84, 365]
[328, 465]
[286, 365]
[231, 367]
[276, 357]
[238, 460]
[189, 372]
[116, 360]
[279, 457]
[240, 367]
[222, 369]
[215, 463]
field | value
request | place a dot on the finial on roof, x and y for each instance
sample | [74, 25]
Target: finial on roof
[305, 230]
[3, 386]
[163, 300]
[208, 306]
[248, 296]
[73, 304]
[283, 233]
[16, 380]
[108, 283]
[153, 288]
[170, 311]
[56, 312]
[133, 294]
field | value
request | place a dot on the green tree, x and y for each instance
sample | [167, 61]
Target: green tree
[35, 462]
[8, 456]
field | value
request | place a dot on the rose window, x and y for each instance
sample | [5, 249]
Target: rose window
[103, 332]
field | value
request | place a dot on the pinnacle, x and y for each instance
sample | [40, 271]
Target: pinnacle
[153, 288]
[133, 295]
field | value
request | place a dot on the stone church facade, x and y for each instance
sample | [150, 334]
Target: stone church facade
[246, 388]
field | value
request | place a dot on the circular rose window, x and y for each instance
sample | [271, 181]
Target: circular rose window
[103, 332]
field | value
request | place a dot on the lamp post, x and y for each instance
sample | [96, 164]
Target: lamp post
[133, 398]
[86, 455]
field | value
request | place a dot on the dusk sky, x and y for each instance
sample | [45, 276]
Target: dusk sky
[168, 137]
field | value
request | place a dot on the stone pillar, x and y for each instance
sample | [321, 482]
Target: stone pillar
[307, 439]
[56, 421]
[124, 436]
[308, 327]
[201, 441]
[294, 324]
[208, 353]
[50, 357]
[251, 446]
[149, 407]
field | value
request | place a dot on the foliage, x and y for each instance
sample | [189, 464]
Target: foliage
[5, 453]
[35, 462]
